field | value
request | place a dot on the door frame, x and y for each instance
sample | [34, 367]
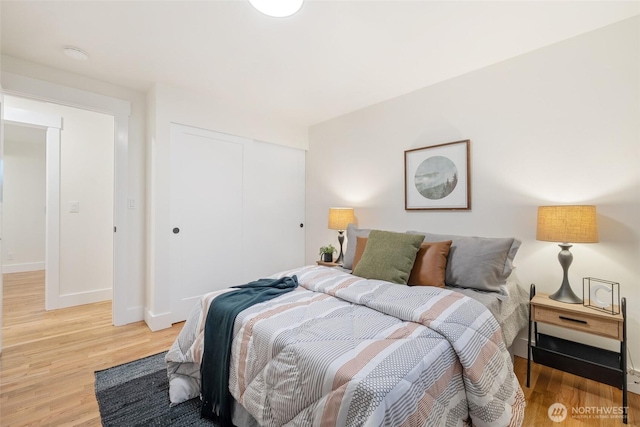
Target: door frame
[27, 87]
[52, 125]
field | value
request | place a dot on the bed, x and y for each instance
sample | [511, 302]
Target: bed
[347, 350]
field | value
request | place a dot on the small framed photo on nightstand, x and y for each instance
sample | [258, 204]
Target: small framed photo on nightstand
[601, 295]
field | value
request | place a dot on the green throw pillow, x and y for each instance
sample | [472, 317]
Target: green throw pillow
[388, 256]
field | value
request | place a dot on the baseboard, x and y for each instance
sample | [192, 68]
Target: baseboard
[520, 347]
[88, 297]
[632, 386]
[23, 268]
[134, 314]
[157, 322]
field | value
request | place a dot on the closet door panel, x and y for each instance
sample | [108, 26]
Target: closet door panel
[206, 216]
[274, 209]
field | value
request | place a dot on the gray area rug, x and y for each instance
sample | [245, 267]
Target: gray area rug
[137, 394]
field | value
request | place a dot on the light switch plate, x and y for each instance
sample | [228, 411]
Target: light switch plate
[74, 207]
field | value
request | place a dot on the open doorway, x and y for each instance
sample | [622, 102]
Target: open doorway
[24, 216]
[80, 265]
[27, 87]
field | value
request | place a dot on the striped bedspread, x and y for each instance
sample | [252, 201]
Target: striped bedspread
[346, 351]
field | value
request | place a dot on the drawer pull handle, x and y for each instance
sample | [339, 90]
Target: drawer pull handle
[573, 320]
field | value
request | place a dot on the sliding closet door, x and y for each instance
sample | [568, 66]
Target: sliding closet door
[274, 209]
[237, 212]
[206, 215]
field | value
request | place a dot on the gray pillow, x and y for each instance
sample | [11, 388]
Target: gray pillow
[353, 233]
[388, 256]
[482, 263]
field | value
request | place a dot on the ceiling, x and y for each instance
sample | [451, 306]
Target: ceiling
[330, 58]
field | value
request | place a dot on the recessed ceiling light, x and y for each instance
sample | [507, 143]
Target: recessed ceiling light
[75, 53]
[277, 8]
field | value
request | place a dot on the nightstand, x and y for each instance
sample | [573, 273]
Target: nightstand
[328, 264]
[605, 366]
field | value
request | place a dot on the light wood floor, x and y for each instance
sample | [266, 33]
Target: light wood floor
[48, 358]
[48, 361]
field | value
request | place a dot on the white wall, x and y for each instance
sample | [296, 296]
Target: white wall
[555, 126]
[23, 219]
[168, 105]
[86, 177]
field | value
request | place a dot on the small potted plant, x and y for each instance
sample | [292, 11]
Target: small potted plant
[326, 253]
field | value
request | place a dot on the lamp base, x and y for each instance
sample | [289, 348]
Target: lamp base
[340, 259]
[565, 293]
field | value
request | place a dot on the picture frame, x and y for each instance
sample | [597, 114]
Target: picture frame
[600, 294]
[438, 177]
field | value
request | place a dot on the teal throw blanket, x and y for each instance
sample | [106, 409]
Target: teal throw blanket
[218, 334]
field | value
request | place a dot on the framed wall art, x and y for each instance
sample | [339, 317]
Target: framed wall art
[438, 177]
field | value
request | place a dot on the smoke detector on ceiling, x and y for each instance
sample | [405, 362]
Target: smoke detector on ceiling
[76, 53]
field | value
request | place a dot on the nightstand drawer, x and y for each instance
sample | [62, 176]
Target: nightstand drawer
[597, 325]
